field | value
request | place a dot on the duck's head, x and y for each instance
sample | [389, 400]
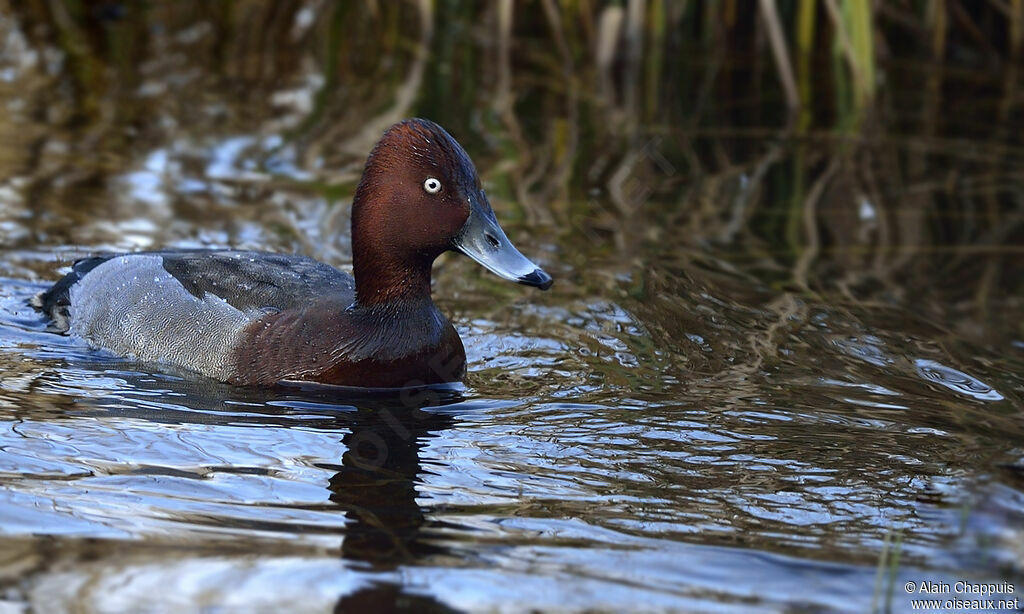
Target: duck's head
[420, 196]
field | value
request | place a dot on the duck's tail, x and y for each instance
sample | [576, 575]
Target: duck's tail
[55, 303]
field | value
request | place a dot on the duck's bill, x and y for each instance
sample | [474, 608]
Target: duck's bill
[483, 240]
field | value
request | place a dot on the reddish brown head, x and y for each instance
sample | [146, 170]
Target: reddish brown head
[420, 196]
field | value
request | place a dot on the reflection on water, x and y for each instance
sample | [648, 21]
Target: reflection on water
[449, 498]
[781, 369]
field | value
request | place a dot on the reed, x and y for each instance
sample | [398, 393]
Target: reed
[606, 118]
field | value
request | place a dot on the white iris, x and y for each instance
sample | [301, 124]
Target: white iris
[432, 185]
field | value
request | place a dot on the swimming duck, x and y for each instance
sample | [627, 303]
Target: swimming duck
[257, 318]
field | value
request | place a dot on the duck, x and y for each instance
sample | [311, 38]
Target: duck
[254, 318]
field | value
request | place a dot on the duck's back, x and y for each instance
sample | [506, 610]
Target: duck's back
[187, 308]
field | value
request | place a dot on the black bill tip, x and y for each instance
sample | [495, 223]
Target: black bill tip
[537, 278]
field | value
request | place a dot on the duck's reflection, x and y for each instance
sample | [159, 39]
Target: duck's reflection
[390, 597]
[376, 484]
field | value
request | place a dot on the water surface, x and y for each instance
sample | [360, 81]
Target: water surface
[780, 370]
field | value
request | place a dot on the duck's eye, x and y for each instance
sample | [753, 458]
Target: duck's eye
[432, 186]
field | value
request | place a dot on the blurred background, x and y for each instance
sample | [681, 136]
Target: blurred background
[787, 240]
[839, 146]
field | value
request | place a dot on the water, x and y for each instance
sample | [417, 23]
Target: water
[708, 412]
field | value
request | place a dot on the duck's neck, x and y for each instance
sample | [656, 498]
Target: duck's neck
[383, 276]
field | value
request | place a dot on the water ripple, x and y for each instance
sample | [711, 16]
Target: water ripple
[955, 380]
